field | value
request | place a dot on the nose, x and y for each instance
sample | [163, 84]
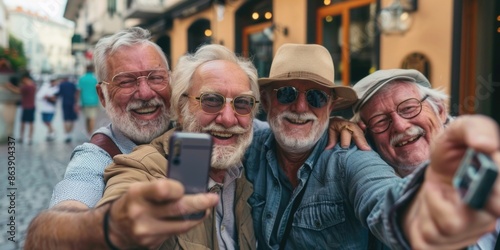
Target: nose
[399, 123]
[227, 116]
[300, 105]
[144, 92]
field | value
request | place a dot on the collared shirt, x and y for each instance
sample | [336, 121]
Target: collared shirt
[84, 177]
[345, 188]
[225, 220]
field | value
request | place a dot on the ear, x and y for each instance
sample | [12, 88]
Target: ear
[100, 94]
[442, 113]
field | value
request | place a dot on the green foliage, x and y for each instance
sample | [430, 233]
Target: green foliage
[14, 54]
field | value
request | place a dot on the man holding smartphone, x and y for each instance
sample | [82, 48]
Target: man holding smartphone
[138, 114]
[213, 92]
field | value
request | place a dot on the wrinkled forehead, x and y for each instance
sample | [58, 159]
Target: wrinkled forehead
[221, 76]
[389, 97]
[138, 57]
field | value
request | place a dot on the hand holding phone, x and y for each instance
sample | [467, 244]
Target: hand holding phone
[475, 178]
[189, 161]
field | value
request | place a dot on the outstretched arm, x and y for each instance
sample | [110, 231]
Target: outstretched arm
[141, 217]
[438, 218]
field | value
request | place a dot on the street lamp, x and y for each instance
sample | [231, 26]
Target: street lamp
[396, 18]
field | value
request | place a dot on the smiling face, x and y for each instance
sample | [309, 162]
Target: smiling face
[405, 144]
[296, 126]
[143, 114]
[231, 133]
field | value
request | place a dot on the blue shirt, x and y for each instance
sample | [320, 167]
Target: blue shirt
[345, 188]
[67, 92]
[84, 177]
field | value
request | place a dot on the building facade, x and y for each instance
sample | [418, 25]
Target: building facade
[47, 43]
[451, 41]
[4, 33]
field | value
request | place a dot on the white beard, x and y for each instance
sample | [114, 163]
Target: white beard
[223, 156]
[139, 131]
[296, 141]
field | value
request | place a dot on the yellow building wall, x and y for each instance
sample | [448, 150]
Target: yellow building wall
[293, 16]
[222, 30]
[430, 34]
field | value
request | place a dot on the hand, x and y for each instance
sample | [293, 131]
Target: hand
[438, 218]
[346, 130]
[143, 217]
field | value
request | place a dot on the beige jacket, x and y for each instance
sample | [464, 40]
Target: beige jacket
[148, 162]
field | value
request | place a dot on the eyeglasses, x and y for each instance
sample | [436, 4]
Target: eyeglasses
[212, 103]
[316, 98]
[407, 109]
[128, 82]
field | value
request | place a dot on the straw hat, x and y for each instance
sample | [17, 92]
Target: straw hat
[310, 62]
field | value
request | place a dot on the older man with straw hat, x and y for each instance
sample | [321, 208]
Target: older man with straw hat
[304, 196]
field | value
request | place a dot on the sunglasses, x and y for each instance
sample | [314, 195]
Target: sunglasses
[316, 98]
[212, 103]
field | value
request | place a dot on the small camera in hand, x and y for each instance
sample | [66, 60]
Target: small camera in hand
[475, 178]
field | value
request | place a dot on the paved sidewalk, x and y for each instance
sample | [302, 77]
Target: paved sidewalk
[38, 168]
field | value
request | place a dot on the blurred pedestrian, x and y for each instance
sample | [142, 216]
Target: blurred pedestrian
[27, 89]
[89, 99]
[47, 100]
[70, 96]
[9, 108]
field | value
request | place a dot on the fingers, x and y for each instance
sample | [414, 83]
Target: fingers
[476, 131]
[332, 137]
[359, 137]
[347, 131]
[147, 214]
[443, 221]
[346, 137]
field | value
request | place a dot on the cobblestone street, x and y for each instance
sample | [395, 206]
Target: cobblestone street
[38, 167]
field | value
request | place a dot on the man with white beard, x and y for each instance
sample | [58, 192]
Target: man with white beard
[306, 197]
[134, 88]
[213, 92]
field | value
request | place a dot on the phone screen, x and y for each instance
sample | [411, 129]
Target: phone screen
[189, 161]
[190, 166]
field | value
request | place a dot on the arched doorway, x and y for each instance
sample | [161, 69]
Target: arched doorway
[199, 33]
[165, 45]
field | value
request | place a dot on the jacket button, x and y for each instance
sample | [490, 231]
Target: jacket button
[269, 216]
[317, 223]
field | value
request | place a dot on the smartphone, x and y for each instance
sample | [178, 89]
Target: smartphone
[475, 178]
[189, 159]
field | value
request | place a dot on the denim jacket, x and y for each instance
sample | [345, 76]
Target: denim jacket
[345, 188]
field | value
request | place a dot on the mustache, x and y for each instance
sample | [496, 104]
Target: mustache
[137, 104]
[213, 127]
[412, 131]
[295, 116]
